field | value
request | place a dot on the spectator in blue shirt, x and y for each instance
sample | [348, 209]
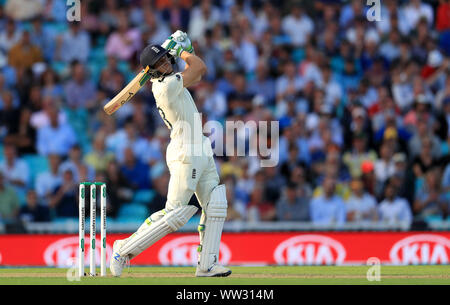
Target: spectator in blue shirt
[64, 199]
[329, 208]
[80, 91]
[33, 211]
[73, 44]
[136, 172]
[56, 138]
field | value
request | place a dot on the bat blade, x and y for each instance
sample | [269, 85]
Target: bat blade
[127, 93]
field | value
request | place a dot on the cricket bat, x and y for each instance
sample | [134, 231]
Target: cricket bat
[128, 92]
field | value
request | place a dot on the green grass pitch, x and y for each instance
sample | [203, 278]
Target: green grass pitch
[270, 275]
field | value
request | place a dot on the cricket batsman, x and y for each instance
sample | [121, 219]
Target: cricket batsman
[190, 173]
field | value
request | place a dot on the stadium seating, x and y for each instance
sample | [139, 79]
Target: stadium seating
[36, 164]
[143, 196]
[132, 212]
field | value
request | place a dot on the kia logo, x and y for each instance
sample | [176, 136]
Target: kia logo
[421, 249]
[182, 251]
[309, 249]
[62, 252]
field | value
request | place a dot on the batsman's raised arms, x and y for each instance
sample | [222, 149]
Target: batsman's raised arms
[128, 92]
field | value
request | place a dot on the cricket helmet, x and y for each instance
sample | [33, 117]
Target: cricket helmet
[151, 55]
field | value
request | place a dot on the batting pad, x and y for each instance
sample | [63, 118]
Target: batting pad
[216, 212]
[144, 238]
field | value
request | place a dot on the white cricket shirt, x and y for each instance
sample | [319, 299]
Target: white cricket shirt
[177, 109]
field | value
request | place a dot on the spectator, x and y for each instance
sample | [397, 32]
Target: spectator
[203, 17]
[215, 103]
[23, 9]
[41, 118]
[425, 160]
[430, 198]
[98, 158]
[298, 25]
[9, 202]
[44, 38]
[136, 172]
[349, 12]
[417, 9]
[289, 83]
[24, 54]
[176, 16]
[25, 138]
[125, 42]
[119, 188]
[361, 206]
[212, 52]
[153, 30]
[160, 184]
[51, 86]
[33, 211]
[48, 181]
[292, 206]
[75, 164]
[415, 143]
[258, 208]
[64, 199]
[9, 115]
[393, 210]
[56, 138]
[127, 137]
[263, 84]
[442, 16]
[353, 159]
[73, 45]
[329, 208]
[385, 165]
[236, 208]
[80, 91]
[274, 183]
[244, 50]
[15, 171]
[9, 36]
[292, 162]
[333, 90]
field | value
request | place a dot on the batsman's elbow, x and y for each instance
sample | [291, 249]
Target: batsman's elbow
[203, 69]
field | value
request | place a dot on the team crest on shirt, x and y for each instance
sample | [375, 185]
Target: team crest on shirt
[178, 77]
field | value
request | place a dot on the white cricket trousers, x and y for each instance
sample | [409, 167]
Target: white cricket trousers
[192, 171]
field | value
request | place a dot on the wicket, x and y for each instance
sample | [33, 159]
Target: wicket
[81, 227]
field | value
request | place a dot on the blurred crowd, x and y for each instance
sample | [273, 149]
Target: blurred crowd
[363, 106]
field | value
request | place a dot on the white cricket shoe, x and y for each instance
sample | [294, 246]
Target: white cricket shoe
[214, 271]
[117, 262]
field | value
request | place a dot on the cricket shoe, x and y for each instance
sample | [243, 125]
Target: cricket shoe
[214, 271]
[117, 262]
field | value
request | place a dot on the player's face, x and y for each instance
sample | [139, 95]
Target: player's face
[163, 65]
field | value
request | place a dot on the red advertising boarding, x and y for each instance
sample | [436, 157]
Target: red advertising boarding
[293, 248]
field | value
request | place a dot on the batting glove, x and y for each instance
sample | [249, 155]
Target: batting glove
[183, 39]
[175, 49]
